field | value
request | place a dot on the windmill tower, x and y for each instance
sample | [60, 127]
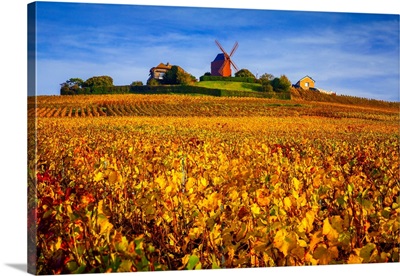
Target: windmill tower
[221, 66]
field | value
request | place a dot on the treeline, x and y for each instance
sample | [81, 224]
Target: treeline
[173, 89]
[104, 85]
[76, 86]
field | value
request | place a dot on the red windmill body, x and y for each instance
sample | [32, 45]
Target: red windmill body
[221, 66]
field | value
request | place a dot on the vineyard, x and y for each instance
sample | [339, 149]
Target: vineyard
[202, 106]
[123, 183]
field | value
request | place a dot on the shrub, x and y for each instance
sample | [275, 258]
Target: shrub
[137, 83]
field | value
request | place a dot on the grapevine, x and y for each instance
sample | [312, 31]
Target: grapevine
[176, 182]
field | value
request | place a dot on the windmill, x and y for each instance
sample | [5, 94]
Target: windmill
[221, 66]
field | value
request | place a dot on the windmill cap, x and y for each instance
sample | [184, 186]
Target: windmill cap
[219, 57]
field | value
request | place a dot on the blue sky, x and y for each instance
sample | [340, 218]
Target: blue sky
[349, 53]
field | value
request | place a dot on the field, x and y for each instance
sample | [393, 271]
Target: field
[167, 182]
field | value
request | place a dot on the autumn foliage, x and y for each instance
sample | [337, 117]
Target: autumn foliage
[176, 182]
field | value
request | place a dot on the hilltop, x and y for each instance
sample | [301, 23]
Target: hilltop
[229, 85]
[298, 94]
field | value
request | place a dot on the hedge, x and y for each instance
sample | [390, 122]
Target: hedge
[174, 89]
[177, 89]
[234, 79]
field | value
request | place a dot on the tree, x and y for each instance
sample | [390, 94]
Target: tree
[171, 76]
[98, 81]
[184, 78]
[285, 83]
[281, 84]
[75, 82]
[265, 81]
[65, 90]
[71, 86]
[266, 77]
[176, 75]
[266, 87]
[244, 73]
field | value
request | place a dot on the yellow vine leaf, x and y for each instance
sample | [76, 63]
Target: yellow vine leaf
[329, 231]
[167, 218]
[203, 182]
[255, 209]
[306, 224]
[309, 259]
[296, 183]
[325, 255]
[234, 195]
[298, 251]
[285, 241]
[354, 259]
[287, 203]
[98, 177]
[302, 243]
[161, 181]
[315, 239]
[57, 245]
[218, 180]
[190, 183]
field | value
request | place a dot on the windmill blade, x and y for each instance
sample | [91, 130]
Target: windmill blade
[222, 49]
[234, 65]
[234, 48]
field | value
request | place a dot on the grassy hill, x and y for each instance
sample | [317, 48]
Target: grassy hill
[230, 85]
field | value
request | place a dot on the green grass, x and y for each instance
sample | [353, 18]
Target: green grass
[228, 85]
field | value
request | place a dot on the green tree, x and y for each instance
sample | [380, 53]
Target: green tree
[98, 81]
[184, 78]
[171, 76]
[71, 86]
[75, 82]
[176, 75]
[266, 77]
[65, 89]
[244, 73]
[266, 87]
[265, 80]
[281, 84]
[285, 83]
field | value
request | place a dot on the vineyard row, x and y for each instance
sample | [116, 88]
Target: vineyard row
[205, 109]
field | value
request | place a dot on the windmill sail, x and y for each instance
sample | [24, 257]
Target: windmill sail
[221, 66]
